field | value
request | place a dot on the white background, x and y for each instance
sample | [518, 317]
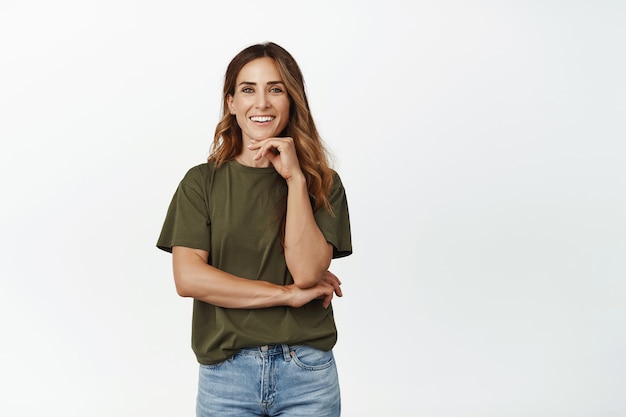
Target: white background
[482, 147]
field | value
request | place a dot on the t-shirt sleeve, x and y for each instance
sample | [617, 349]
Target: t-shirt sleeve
[336, 227]
[187, 222]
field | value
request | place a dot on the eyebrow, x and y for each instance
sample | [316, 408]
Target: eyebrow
[269, 83]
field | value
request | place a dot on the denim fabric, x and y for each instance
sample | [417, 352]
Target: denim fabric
[274, 380]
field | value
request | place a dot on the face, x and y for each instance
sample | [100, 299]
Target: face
[260, 102]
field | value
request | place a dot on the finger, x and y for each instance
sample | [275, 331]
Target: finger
[335, 287]
[338, 291]
[261, 153]
[332, 279]
[254, 145]
[327, 300]
[267, 150]
[328, 273]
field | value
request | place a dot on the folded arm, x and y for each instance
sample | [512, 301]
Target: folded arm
[197, 279]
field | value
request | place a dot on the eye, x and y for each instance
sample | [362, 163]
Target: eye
[247, 90]
[276, 90]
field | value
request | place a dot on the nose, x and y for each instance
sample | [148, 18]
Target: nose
[261, 101]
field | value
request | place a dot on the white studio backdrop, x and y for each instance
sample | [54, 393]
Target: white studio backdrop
[482, 147]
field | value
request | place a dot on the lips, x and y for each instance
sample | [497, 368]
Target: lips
[262, 119]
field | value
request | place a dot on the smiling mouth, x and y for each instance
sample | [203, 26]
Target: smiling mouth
[262, 119]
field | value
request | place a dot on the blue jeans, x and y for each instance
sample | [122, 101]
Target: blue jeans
[274, 380]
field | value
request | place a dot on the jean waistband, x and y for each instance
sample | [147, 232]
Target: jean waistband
[269, 350]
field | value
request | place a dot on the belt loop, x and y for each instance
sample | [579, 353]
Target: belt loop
[286, 353]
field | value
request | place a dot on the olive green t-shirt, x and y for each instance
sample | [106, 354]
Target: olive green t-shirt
[231, 212]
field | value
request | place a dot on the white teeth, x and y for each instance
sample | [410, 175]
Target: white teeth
[261, 118]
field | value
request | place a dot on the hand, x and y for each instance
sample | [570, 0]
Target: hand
[281, 152]
[325, 290]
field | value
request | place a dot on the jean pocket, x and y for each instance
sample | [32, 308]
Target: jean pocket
[312, 359]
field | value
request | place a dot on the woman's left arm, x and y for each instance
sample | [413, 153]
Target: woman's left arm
[307, 253]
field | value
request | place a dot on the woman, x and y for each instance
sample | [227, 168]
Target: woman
[252, 233]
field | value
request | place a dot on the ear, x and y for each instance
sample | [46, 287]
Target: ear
[231, 108]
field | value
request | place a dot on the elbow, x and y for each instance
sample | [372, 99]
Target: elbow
[187, 266]
[305, 283]
[183, 288]
[308, 271]
[183, 291]
[307, 280]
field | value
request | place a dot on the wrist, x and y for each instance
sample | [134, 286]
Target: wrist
[297, 179]
[286, 295]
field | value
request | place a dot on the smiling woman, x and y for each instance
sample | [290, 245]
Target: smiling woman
[253, 232]
[260, 104]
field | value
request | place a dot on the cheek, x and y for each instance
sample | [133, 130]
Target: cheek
[285, 108]
[240, 119]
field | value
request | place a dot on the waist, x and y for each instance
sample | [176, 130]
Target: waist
[268, 350]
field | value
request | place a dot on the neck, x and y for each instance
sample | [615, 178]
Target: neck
[245, 158]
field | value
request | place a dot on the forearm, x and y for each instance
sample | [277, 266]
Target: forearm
[307, 253]
[196, 279]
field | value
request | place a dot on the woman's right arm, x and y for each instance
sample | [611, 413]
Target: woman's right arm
[195, 278]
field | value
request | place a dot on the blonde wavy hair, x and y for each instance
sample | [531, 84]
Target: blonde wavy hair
[312, 155]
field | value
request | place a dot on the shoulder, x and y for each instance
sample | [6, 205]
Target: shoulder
[337, 183]
[201, 169]
[199, 172]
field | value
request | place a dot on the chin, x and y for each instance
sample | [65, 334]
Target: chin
[263, 136]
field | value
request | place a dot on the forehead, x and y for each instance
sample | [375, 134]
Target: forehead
[259, 70]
